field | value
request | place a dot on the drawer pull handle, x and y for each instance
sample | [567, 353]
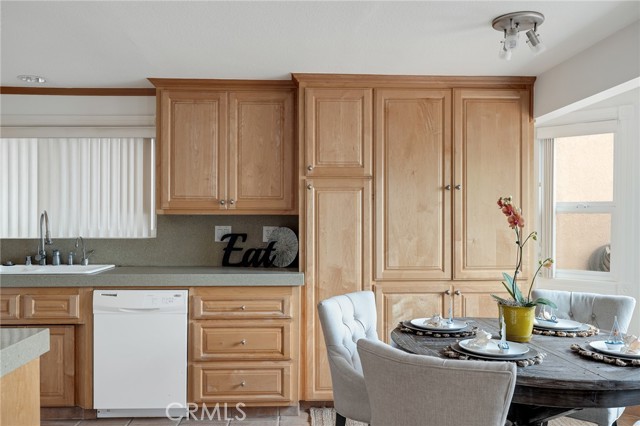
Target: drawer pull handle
[243, 341]
[243, 307]
[243, 383]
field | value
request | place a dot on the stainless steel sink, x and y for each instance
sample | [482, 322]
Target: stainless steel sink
[53, 270]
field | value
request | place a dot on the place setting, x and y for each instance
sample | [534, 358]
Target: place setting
[485, 347]
[546, 323]
[617, 349]
[437, 326]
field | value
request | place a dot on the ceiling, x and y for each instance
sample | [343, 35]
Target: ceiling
[121, 43]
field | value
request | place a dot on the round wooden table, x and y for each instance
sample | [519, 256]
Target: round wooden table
[562, 383]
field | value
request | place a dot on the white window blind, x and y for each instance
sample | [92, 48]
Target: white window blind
[94, 187]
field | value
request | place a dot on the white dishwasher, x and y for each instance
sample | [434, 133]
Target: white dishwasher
[140, 352]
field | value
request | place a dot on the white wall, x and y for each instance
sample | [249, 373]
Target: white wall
[607, 64]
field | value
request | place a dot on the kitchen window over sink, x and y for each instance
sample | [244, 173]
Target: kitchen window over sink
[101, 187]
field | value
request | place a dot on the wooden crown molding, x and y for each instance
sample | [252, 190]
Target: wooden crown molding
[207, 84]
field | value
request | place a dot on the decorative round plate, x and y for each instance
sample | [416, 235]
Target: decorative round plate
[456, 325]
[601, 347]
[492, 349]
[530, 354]
[285, 248]
[561, 325]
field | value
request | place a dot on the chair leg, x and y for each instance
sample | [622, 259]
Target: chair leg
[340, 419]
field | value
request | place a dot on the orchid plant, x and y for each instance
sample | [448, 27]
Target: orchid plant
[516, 222]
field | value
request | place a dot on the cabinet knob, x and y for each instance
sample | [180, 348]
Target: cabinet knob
[243, 307]
[222, 202]
[448, 187]
[243, 341]
[458, 187]
[243, 383]
[232, 201]
[309, 186]
[458, 293]
[310, 167]
[448, 292]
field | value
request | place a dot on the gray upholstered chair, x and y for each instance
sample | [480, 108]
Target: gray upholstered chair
[345, 319]
[416, 390]
[598, 310]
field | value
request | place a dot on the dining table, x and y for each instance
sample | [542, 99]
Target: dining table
[563, 382]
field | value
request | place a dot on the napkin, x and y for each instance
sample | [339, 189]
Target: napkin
[435, 321]
[481, 340]
[631, 345]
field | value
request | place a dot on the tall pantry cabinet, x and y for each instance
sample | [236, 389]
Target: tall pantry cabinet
[399, 178]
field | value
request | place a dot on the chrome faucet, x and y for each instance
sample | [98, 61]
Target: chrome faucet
[45, 238]
[85, 254]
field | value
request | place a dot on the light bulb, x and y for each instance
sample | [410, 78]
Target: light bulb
[504, 52]
[534, 42]
[511, 38]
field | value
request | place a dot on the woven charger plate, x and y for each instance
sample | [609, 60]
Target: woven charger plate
[533, 357]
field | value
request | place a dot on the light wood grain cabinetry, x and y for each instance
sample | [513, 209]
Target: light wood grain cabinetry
[225, 147]
[244, 345]
[445, 149]
[66, 370]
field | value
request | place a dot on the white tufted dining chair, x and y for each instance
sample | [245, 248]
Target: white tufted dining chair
[345, 319]
[415, 390]
[598, 310]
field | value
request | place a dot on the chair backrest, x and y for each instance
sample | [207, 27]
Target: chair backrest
[590, 308]
[345, 319]
[417, 390]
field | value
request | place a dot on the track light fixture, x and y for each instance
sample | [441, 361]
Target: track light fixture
[511, 24]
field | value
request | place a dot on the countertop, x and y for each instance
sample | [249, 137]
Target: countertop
[19, 346]
[163, 276]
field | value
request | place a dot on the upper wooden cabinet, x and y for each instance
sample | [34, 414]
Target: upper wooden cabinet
[493, 151]
[436, 212]
[337, 132]
[225, 147]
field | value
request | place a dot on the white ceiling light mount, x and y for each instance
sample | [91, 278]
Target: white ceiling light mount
[511, 24]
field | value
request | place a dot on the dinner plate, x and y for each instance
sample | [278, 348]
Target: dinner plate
[561, 325]
[600, 346]
[493, 350]
[456, 325]
[530, 354]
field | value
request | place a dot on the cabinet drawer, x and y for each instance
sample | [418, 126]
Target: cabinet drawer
[51, 306]
[212, 307]
[230, 383]
[9, 307]
[227, 340]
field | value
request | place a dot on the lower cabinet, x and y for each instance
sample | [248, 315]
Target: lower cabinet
[66, 370]
[399, 301]
[243, 346]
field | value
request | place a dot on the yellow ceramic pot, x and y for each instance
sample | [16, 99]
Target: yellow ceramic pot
[518, 322]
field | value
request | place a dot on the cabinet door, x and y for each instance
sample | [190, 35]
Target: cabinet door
[261, 151]
[57, 369]
[192, 149]
[397, 302]
[338, 132]
[337, 261]
[493, 152]
[413, 144]
[473, 299]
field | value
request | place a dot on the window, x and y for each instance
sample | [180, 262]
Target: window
[581, 209]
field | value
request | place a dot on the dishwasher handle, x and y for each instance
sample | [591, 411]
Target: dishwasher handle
[138, 310]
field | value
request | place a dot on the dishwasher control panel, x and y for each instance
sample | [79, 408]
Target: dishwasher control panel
[142, 300]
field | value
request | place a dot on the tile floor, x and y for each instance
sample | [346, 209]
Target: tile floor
[301, 420]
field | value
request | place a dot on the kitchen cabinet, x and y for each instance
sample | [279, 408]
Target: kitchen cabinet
[65, 371]
[337, 227]
[444, 149]
[225, 147]
[244, 346]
